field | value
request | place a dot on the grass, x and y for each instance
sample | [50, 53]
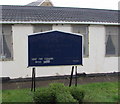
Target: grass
[95, 92]
[101, 92]
[0, 96]
[21, 95]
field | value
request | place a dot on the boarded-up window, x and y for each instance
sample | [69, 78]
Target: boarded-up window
[82, 29]
[6, 51]
[112, 38]
[42, 28]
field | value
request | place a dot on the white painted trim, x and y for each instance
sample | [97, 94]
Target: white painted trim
[56, 22]
[53, 31]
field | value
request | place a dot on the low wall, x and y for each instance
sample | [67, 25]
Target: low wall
[83, 78]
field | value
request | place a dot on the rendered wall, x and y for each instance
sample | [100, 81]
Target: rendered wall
[95, 63]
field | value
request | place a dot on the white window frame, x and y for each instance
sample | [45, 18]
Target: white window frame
[113, 33]
[4, 56]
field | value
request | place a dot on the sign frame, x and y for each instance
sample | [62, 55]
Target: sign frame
[38, 33]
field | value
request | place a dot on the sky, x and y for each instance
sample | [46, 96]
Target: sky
[99, 4]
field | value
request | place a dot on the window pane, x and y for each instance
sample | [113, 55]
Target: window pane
[119, 41]
[110, 47]
[82, 29]
[1, 43]
[42, 28]
[7, 29]
[119, 44]
[7, 42]
[7, 46]
[86, 45]
[112, 40]
[111, 30]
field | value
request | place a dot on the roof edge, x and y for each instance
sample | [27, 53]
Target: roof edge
[56, 22]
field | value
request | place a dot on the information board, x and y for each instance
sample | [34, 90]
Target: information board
[54, 48]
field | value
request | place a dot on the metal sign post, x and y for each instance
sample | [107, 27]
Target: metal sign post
[76, 76]
[71, 77]
[33, 80]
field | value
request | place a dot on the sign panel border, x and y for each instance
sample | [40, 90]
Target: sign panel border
[38, 33]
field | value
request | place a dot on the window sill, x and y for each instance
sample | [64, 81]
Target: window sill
[6, 59]
[112, 56]
[87, 56]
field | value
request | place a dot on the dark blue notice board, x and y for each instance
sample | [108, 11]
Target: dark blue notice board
[54, 48]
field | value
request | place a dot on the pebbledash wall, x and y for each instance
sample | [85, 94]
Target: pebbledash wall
[96, 62]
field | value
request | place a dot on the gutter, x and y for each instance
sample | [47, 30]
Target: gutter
[57, 22]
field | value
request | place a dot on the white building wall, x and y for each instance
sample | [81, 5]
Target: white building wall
[95, 63]
[1, 68]
[97, 48]
[18, 67]
[111, 64]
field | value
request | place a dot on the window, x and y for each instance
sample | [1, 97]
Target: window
[1, 43]
[6, 43]
[82, 29]
[41, 28]
[112, 38]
